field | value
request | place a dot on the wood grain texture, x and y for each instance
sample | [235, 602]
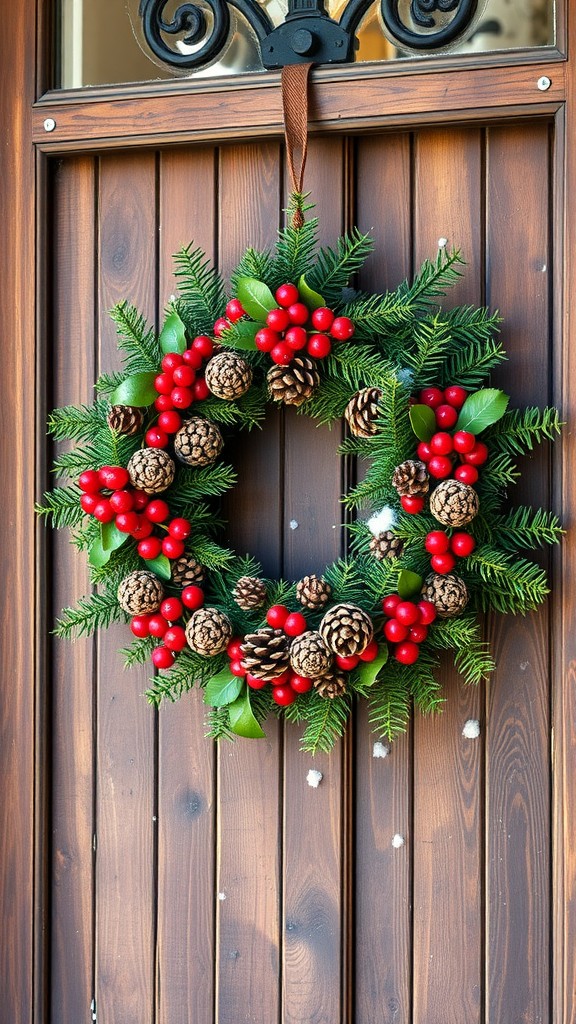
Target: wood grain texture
[126, 810]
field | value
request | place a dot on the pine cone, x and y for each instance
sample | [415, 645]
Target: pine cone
[198, 442]
[249, 592]
[125, 419]
[362, 411]
[448, 594]
[140, 593]
[151, 470]
[313, 592]
[346, 629]
[411, 477]
[453, 503]
[386, 545]
[187, 572]
[332, 684]
[228, 375]
[208, 632]
[309, 655]
[265, 653]
[294, 383]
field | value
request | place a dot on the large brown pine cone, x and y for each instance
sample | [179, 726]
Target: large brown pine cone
[125, 419]
[198, 442]
[332, 684]
[411, 478]
[265, 653]
[187, 572]
[294, 383]
[362, 411]
[346, 629]
[453, 503]
[249, 592]
[313, 592]
[140, 593]
[386, 545]
[228, 376]
[309, 655]
[208, 632]
[448, 594]
[151, 470]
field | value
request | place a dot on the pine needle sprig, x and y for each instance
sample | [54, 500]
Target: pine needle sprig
[108, 448]
[474, 663]
[520, 430]
[462, 635]
[527, 528]
[246, 412]
[194, 485]
[505, 582]
[335, 267]
[471, 363]
[218, 724]
[431, 340]
[78, 422]
[108, 382]
[61, 506]
[380, 316]
[389, 704]
[96, 611]
[122, 562]
[137, 341]
[254, 263]
[209, 553]
[201, 288]
[295, 247]
[139, 651]
[432, 280]
[188, 670]
[325, 723]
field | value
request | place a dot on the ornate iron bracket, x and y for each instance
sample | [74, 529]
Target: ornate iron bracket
[308, 34]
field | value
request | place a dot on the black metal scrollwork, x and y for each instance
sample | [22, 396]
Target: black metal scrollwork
[421, 11]
[191, 19]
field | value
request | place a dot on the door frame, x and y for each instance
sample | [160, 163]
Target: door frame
[389, 96]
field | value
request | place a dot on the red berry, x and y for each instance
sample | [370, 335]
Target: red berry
[441, 443]
[418, 633]
[170, 422]
[282, 354]
[141, 499]
[164, 383]
[455, 395]
[103, 511]
[395, 631]
[237, 668]
[466, 475]
[192, 357]
[432, 397]
[171, 608]
[204, 345]
[192, 597]
[462, 544]
[88, 502]
[265, 339]
[89, 481]
[283, 678]
[407, 652]
[413, 504]
[295, 624]
[175, 638]
[172, 547]
[200, 390]
[407, 613]
[300, 684]
[437, 542]
[180, 528]
[235, 310]
[446, 416]
[184, 376]
[157, 626]
[283, 695]
[440, 466]
[478, 455]
[122, 501]
[347, 662]
[150, 548]
[157, 511]
[163, 403]
[182, 398]
[370, 652]
[234, 648]
[143, 529]
[443, 563]
[427, 612]
[390, 603]
[298, 313]
[319, 346]
[463, 441]
[170, 361]
[423, 451]
[322, 318]
[113, 477]
[286, 295]
[156, 438]
[276, 615]
[139, 626]
[254, 682]
[296, 338]
[221, 326]
[278, 319]
[162, 657]
[126, 522]
[342, 328]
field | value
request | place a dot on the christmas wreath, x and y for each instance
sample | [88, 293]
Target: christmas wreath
[430, 546]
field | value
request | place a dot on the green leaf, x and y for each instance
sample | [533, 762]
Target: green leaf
[423, 421]
[160, 566]
[256, 297]
[241, 335]
[137, 390]
[409, 584]
[173, 335]
[481, 409]
[222, 689]
[97, 554]
[112, 538]
[313, 300]
[242, 720]
[368, 670]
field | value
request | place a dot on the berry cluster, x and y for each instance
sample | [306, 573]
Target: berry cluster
[445, 549]
[164, 625]
[290, 327]
[180, 383]
[406, 626]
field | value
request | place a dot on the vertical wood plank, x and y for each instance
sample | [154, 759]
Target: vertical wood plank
[125, 793]
[518, 743]
[72, 666]
[447, 767]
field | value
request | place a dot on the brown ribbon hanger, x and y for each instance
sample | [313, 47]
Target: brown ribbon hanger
[295, 103]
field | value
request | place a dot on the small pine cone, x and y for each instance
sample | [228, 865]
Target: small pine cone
[362, 411]
[332, 684]
[228, 375]
[448, 594]
[453, 503]
[208, 632]
[125, 419]
[411, 477]
[294, 383]
[346, 629]
[151, 470]
[313, 592]
[265, 653]
[249, 592]
[309, 655]
[386, 545]
[198, 442]
[140, 593]
[187, 572]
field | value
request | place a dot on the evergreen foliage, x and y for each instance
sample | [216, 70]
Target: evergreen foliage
[137, 341]
[201, 289]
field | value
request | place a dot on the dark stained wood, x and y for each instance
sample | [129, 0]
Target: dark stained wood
[125, 920]
[73, 754]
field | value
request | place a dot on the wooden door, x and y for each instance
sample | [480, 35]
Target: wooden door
[146, 877]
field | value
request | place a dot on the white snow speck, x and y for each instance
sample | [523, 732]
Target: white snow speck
[294, 524]
[382, 521]
[314, 778]
[398, 841]
[442, 243]
[221, 896]
[471, 729]
[380, 750]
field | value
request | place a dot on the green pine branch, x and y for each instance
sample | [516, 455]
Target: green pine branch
[335, 267]
[377, 317]
[326, 722]
[463, 635]
[527, 528]
[389, 704]
[253, 264]
[188, 669]
[201, 289]
[78, 422]
[122, 562]
[106, 449]
[96, 611]
[432, 280]
[210, 554]
[193, 485]
[474, 663]
[245, 413]
[472, 363]
[61, 506]
[505, 582]
[218, 724]
[520, 430]
[431, 341]
[137, 341]
[139, 651]
[295, 247]
[108, 382]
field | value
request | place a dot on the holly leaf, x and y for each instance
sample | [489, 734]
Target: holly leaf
[160, 566]
[256, 297]
[313, 300]
[241, 335]
[368, 670]
[111, 537]
[138, 390]
[242, 720]
[173, 335]
[409, 584]
[222, 689]
[423, 421]
[97, 555]
[482, 409]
